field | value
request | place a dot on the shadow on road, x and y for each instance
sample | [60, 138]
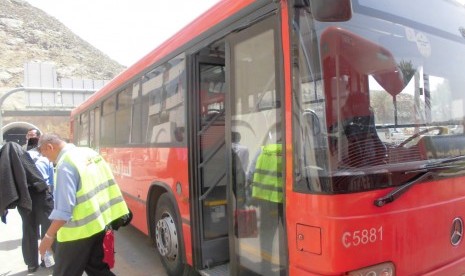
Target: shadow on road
[10, 245]
[135, 254]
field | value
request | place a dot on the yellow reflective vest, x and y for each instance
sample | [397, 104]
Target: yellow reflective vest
[98, 201]
[268, 178]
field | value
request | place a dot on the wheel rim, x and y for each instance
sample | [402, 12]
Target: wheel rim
[166, 237]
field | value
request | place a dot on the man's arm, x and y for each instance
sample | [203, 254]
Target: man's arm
[65, 192]
[42, 166]
[49, 238]
[65, 199]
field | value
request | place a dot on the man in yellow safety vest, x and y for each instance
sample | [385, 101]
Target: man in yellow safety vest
[87, 200]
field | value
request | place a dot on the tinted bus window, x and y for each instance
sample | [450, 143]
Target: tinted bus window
[123, 116]
[175, 91]
[136, 124]
[107, 129]
[92, 129]
[83, 129]
[163, 97]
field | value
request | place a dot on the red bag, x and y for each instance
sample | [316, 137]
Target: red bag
[245, 224]
[109, 248]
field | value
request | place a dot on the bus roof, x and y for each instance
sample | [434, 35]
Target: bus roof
[201, 24]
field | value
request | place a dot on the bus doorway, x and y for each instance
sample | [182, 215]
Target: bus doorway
[232, 221]
[209, 163]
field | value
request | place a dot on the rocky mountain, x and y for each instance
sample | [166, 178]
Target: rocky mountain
[28, 34]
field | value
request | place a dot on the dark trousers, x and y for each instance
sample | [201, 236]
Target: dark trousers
[42, 206]
[72, 258]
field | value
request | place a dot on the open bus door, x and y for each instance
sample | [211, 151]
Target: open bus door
[254, 121]
[208, 168]
[228, 130]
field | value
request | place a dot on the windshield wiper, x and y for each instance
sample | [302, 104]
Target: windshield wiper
[424, 172]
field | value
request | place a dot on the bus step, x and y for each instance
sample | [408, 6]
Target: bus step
[219, 270]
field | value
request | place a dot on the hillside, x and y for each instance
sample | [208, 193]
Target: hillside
[28, 34]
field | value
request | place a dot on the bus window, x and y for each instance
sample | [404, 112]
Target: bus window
[123, 117]
[95, 130]
[136, 113]
[92, 129]
[83, 129]
[381, 98]
[212, 91]
[107, 131]
[175, 96]
[152, 90]
[163, 89]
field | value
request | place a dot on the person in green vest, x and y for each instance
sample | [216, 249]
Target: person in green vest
[266, 179]
[87, 201]
[267, 182]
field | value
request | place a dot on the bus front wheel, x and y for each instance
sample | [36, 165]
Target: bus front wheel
[167, 236]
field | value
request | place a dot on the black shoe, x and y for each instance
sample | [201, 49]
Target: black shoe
[42, 263]
[32, 268]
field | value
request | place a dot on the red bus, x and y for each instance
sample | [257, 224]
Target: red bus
[360, 104]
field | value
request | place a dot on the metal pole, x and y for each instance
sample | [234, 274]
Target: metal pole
[34, 89]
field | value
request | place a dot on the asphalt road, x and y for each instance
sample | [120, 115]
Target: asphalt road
[135, 254]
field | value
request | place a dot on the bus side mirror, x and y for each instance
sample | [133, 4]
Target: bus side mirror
[331, 10]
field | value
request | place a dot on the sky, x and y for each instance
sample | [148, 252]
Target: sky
[125, 30]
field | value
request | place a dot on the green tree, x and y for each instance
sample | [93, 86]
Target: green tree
[381, 103]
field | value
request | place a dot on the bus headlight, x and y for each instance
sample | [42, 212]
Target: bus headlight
[384, 269]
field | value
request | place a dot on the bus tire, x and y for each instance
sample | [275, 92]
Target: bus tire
[167, 238]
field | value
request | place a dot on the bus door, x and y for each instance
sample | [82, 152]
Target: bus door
[254, 105]
[209, 166]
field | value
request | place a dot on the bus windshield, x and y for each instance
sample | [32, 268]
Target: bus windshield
[377, 96]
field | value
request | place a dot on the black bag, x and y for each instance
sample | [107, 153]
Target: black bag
[122, 221]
